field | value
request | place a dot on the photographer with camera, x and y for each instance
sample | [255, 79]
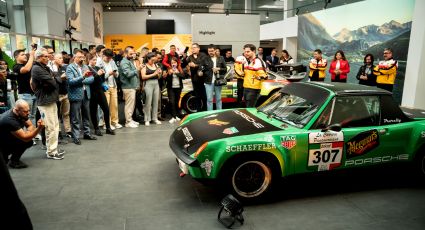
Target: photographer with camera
[213, 69]
[195, 60]
[97, 90]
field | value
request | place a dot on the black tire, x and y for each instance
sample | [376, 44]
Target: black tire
[189, 103]
[250, 178]
[420, 164]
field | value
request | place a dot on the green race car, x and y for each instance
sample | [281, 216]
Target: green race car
[303, 128]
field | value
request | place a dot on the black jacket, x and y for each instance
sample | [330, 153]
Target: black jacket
[169, 80]
[63, 86]
[273, 62]
[371, 78]
[207, 65]
[97, 86]
[194, 70]
[45, 84]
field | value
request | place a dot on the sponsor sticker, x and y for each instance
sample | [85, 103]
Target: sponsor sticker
[249, 119]
[250, 147]
[217, 122]
[392, 121]
[423, 134]
[376, 160]
[288, 142]
[325, 156]
[187, 134]
[324, 137]
[362, 143]
[230, 131]
[207, 165]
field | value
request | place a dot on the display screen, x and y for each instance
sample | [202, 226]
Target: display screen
[159, 26]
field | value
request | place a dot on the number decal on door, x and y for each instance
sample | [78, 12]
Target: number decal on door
[327, 156]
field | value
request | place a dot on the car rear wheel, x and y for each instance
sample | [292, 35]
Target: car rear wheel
[420, 164]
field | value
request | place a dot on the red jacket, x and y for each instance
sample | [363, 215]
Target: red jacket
[344, 67]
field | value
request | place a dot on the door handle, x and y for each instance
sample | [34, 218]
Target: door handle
[383, 131]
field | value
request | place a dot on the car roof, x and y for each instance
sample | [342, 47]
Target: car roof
[342, 89]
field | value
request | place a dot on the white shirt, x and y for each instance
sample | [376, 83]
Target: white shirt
[52, 66]
[214, 59]
[110, 78]
[338, 65]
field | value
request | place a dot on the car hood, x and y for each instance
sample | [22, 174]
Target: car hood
[231, 123]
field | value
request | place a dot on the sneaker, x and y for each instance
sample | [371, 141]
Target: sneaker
[61, 152]
[55, 156]
[131, 125]
[177, 119]
[38, 137]
[172, 120]
[118, 126]
[69, 134]
[135, 122]
[34, 142]
[157, 122]
[147, 123]
[17, 165]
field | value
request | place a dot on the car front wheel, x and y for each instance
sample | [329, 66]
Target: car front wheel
[251, 179]
[420, 164]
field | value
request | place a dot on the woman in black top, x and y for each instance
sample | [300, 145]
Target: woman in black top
[174, 88]
[98, 97]
[365, 74]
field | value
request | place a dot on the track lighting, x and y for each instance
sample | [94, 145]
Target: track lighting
[267, 15]
[149, 13]
[227, 13]
[297, 12]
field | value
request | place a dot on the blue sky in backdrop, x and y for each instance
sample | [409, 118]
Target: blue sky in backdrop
[356, 15]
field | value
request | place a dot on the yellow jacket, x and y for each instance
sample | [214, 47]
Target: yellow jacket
[386, 71]
[320, 66]
[254, 74]
[239, 67]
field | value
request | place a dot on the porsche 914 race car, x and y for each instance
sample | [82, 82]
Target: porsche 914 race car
[229, 92]
[303, 128]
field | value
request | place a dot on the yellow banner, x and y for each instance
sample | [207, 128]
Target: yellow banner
[118, 42]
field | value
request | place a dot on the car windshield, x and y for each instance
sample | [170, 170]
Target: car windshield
[292, 106]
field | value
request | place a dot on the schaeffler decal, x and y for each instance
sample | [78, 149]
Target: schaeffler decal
[187, 134]
[325, 156]
[325, 137]
[217, 122]
[249, 119]
[207, 165]
[250, 147]
[423, 134]
[362, 143]
[230, 131]
[288, 142]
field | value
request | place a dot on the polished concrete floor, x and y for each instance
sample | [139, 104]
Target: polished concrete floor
[130, 181]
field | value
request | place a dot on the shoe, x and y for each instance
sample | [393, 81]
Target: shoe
[135, 122]
[34, 142]
[98, 132]
[77, 141]
[178, 119]
[131, 125]
[157, 122]
[43, 147]
[89, 137]
[17, 165]
[118, 126]
[101, 123]
[147, 123]
[55, 156]
[172, 120]
[38, 137]
[61, 152]
[110, 131]
[69, 134]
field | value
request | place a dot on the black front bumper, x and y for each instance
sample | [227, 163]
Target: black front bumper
[182, 154]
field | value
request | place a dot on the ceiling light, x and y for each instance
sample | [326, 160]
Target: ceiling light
[227, 13]
[156, 4]
[191, 12]
[271, 7]
[267, 15]
[149, 13]
[109, 8]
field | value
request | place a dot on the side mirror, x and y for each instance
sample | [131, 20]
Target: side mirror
[333, 127]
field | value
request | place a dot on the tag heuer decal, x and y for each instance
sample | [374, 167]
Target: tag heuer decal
[230, 131]
[288, 142]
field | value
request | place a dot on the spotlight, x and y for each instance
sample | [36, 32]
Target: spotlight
[267, 15]
[227, 13]
[233, 211]
[109, 8]
[297, 12]
[149, 13]
[191, 12]
[73, 39]
[69, 32]
[5, 25]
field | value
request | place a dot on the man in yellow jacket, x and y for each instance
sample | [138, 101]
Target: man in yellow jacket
[240, 62]
[317, 67]
[386, 71]
[254, 75]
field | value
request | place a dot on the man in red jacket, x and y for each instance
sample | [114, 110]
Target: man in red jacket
[166, 61]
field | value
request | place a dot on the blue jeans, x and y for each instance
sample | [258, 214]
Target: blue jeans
[80, 111]
[32, 102]
[10, 99]
[211, 89]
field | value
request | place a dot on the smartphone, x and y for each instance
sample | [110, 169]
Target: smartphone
[186, 49]
[114, 71]
[90, 73]
[34, 46]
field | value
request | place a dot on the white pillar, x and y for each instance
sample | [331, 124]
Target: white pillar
[248, 6]
[414, 82]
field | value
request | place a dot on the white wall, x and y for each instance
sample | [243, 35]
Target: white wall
[135, 22]
[48, 18]
[414, 83]
[236, 30]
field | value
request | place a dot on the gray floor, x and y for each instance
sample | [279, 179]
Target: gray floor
[130, 181]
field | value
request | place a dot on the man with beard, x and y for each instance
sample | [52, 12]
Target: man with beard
[16, 133]
[195, 61]
[386, 71]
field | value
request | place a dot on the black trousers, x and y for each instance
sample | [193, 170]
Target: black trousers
[251, 97]
[174, 97]
[15, 149]
[98, 98]
[388, 87]
[240, 92]
[200, 94]
[138, 106]
[14, 213]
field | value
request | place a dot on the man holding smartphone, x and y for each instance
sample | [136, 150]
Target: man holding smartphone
[79, 78]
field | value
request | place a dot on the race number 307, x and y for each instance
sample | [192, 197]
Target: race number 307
[329, 153]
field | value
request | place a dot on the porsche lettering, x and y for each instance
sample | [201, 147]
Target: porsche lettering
[249, 119]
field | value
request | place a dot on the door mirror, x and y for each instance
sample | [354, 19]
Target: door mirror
[333, 127]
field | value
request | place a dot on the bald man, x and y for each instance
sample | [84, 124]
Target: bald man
[16, 133]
